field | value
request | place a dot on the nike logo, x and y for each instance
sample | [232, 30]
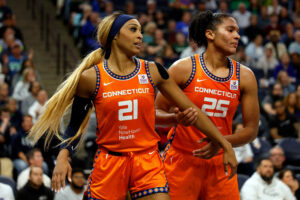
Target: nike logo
[152, 152]
[105, 84]
[200, 80]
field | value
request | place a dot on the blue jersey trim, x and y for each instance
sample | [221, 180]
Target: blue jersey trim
[97, 82]
[126, 77]
[193, 72]
[148, 73]
[151, 191]
[90, 179]
[216, 78]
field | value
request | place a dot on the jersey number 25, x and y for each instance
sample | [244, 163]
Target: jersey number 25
[216, 105]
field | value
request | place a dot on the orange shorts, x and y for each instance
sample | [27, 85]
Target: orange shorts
[193, 178]
[113, 175]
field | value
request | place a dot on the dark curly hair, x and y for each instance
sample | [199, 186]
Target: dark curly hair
[203, 21]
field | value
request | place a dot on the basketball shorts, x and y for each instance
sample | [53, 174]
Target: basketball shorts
[114, 174]
[194, 178]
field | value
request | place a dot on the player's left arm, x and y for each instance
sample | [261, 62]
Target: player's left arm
[250, 109]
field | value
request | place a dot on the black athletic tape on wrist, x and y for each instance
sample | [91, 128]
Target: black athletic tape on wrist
[80, 109]
[162, 71]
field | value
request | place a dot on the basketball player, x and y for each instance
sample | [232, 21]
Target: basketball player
[216, 84]
[121, 88]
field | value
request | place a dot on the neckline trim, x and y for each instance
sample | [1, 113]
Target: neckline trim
[120, 77]
[212, 76]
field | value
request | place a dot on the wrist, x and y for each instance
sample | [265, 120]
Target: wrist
[226, 145]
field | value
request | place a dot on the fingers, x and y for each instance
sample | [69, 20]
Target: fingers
[233, 170]
[187, 117]
[69, 174]
[226, 169]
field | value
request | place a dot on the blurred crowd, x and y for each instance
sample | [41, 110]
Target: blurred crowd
[269, 46]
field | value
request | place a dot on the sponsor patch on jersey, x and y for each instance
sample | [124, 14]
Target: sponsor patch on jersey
[234, 84]
[143, 79]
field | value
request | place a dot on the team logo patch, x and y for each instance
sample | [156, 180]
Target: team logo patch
[234, 84]
[143, 79]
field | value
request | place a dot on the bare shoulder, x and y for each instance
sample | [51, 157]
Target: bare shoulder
[247, 77]
[181, 70]
[87, 83]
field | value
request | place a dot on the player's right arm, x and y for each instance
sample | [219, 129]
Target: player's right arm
[85, 90]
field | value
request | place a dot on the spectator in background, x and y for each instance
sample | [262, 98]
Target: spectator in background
[254, 50]
[5, 11]
[287, 176]
[288, 37]
[284, 17]
[13, 60]
[253, 29]
[192, 49]
[277, 158]
[269, 100]
[295, 46]
[88, 31]
[160, 20]
[170, 33]
[35, 159]
[159, 45]
[263, 18]
[180, 44]
[283, 125]
[149, 31]
[267, 62]
[10, 22]
[285, 64]
[75, 189]
[36, 109]
[22, 145]
[242, 15]
[15, 113]
[34, 88]
[244, 154]
[223, 7]
[275, 7]
[4, 94]
[273, 26]
[151, 9]
[286, 82]
[130, 8]
[28, 63]
[254, 7]
[35, 189]
[6, 192]
[21, 90]
[290, 104]
[7, 39]
[278, 48]
[108, 9]
[183, 25]
[6, 165]
[263, 185]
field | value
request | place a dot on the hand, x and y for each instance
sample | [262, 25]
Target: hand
[5, 59]
[229, 159]
[13, 131]
[30, 55]
[186, 118]
[207, 151]
[294, 185]
[62, 168]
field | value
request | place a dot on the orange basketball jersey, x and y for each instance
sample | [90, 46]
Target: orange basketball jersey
[125, 109]
[215, 96]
